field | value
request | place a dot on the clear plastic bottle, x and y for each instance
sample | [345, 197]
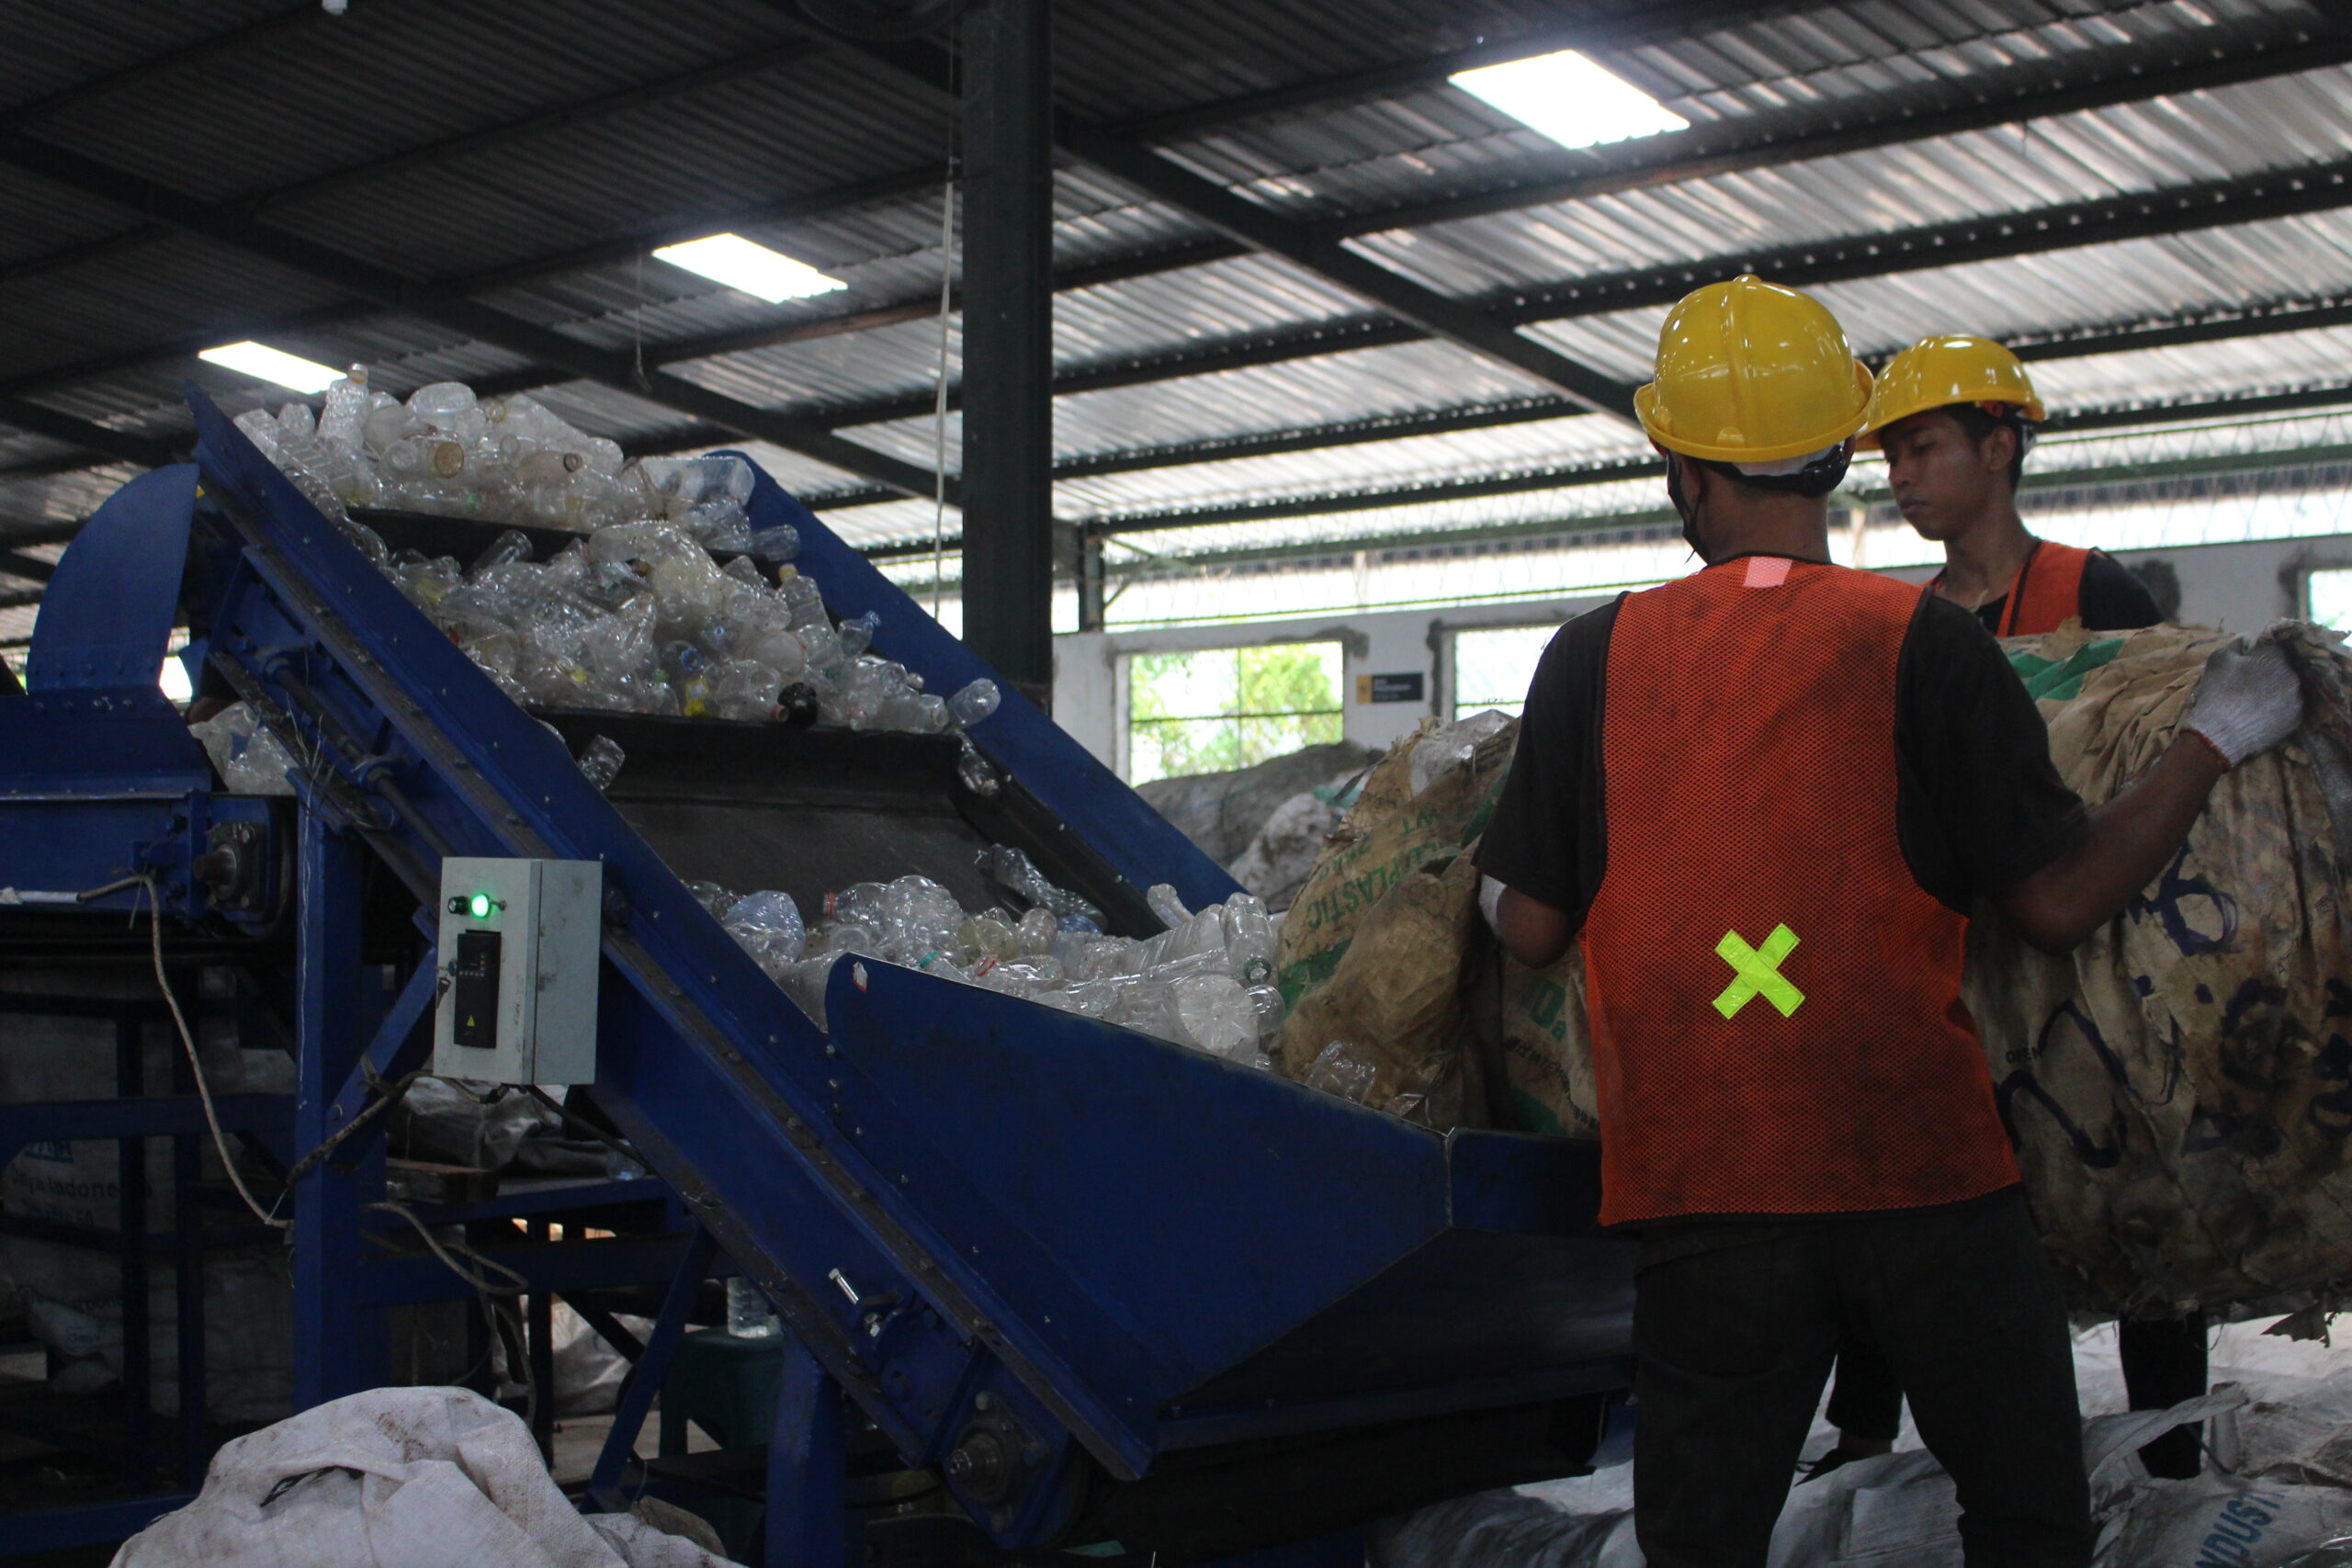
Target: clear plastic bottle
[1250, 937]
[974, 703]
[601, 760]
[1166, 905]
[749, 1316]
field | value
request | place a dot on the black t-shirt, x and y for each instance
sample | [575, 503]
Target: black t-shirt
[2113, 599]
[1980, 807]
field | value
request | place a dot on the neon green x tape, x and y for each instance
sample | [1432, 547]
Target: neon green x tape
[1759, 972]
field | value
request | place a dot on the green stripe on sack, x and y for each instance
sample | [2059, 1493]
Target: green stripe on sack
[2063, 681]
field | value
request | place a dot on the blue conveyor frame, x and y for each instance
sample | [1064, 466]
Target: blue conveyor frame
[1039, 1253]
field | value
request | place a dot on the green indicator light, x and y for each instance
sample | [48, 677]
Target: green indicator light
[478, 906]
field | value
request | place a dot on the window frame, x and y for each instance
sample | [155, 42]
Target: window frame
[1122, 685]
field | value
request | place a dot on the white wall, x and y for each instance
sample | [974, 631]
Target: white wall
[1089, 691]
[2238, 587]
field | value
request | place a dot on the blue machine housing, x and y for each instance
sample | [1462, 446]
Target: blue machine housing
[1096, 1280]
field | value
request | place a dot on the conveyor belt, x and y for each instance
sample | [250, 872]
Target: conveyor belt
[1004, 1230]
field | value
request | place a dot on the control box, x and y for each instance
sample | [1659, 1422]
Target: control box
[520, 946]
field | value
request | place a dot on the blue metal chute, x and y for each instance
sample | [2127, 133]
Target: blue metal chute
[95, 718]
[1222, 1248]
[107, 611]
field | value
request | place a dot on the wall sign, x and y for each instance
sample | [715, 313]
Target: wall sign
[1403, 687]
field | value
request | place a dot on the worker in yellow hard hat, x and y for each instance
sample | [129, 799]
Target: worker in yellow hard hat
[1811, 775]
[1956, 416]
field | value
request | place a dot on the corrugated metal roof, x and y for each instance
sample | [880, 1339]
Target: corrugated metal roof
[627, 121]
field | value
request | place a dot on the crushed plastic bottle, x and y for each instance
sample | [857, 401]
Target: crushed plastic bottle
[248, 757]
[749, 1316]
[601, 761]
[1343, 1070]
[1188, 985]
[767, 926]
[1450, 746]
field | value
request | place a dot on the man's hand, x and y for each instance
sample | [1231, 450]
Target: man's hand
[2249, 700]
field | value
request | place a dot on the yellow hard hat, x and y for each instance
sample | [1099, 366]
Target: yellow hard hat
[1750, 372]
[1937, 372]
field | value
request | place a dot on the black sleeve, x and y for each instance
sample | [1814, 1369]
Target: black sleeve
[1982, 805]
[1547, 837]
[2113, 599]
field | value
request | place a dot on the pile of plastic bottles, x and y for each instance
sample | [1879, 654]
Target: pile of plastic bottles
[507, 460]
[638, 618]
[1206, 982]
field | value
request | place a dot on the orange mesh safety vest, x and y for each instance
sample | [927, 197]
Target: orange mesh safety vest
[2048, 592]
[1777, 1026]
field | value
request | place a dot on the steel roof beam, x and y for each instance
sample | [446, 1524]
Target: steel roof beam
[613, 368]
[31, 568]
[2166, 210]
[111, 446]
[1664, 160]
[2255, 322]
[1578, 476]
[925, 67]
[1919, 112]
[1637, 26]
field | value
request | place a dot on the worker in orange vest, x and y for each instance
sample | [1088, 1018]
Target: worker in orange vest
[1766, 796]
[1955, 417]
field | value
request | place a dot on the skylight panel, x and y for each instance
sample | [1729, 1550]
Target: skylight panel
[753, 267]
[263, 363]
[1569, 99]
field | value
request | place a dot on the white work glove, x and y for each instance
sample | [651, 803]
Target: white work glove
[2249, 700]
[1490, 903]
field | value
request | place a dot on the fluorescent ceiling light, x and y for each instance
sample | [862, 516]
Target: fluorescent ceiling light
[740, 264]
[1569, 99]
[267, 363]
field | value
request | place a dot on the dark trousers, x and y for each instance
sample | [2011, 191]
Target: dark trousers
[2164, 1363]
[1735, 1328]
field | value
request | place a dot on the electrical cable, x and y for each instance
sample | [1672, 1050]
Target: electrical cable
[488, 1287]
[195, 1063]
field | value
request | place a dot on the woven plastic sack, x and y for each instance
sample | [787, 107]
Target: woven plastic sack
[2180, 1087]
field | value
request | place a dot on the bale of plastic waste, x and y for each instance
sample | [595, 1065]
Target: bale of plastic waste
[1225, 812]
[398, 1475]
[1395, 829]
[2180, 1087]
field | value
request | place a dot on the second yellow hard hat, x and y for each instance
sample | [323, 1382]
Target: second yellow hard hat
[1750, 372]
[1937, 372]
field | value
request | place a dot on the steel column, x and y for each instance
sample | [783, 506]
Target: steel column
[340, 1346]
[808, 1517]
[1008, 339]
[131, 1214]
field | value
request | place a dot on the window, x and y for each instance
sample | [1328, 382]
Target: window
[1228, 707]
[1493, 665]
[2328, 597]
